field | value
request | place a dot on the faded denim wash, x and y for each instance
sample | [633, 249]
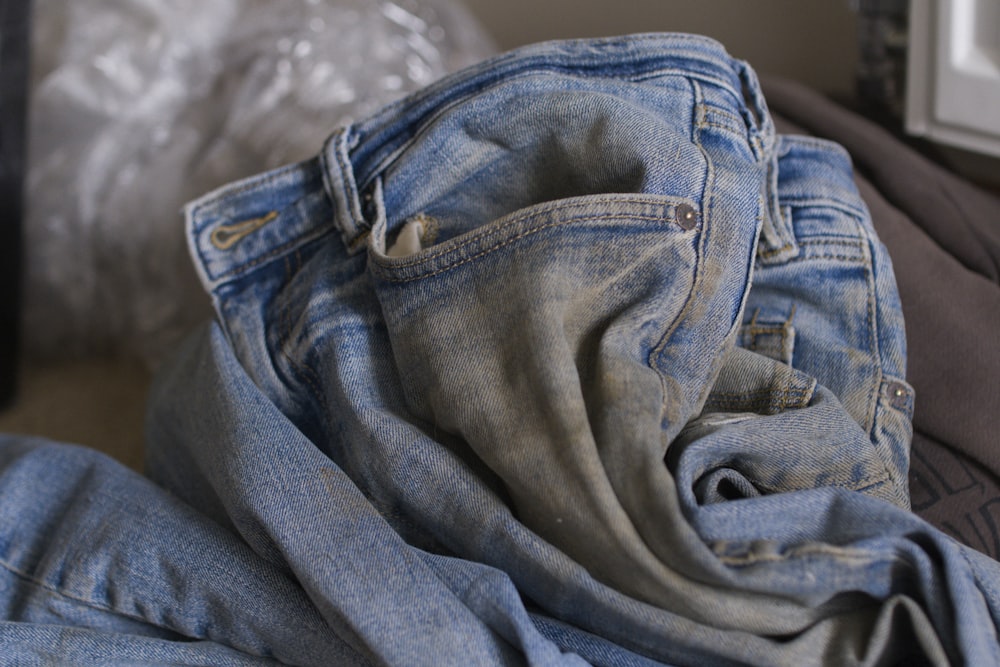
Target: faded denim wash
[567, 358]
[500, 305]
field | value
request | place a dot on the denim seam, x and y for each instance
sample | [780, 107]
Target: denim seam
[876, 398]
[326, 175]
[286, 335]
[244, 186]
[823, 145]
[112, 610]
[706, 215]
[716, 124]
[885, 411]
[772, 252]
[806, 551]
[719, 126]
[770, 391]
[792, 398]
[808, 201]
[502, 224]
[841, 258]
[866, 260]
[44, 585]
[873, 344]
[709, 108]
[866, 482]
[846, 242]
[684, 74]
[704, 113]
[352, 193]
[384, 270]
[766, 390]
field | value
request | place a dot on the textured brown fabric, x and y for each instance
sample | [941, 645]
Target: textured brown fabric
[943, 234]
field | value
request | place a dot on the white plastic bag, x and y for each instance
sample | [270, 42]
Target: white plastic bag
[140, 105]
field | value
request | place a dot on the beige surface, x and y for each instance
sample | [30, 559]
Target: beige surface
[95, 402]
[812, 41]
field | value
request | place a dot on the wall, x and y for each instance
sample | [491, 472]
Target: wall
[813, 41]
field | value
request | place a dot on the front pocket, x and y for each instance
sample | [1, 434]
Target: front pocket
[602, 220]
[529, 338]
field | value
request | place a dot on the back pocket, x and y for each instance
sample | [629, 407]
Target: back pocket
[768, 428]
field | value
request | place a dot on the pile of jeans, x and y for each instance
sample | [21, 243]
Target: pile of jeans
[566, 358]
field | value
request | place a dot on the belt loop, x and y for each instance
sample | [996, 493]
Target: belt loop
[342, 189]
[777, 235]
[754, 98]
[778, 242]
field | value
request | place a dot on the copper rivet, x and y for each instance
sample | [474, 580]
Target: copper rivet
[686, 216]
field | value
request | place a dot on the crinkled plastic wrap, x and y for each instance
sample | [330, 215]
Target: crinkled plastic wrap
[141, 105]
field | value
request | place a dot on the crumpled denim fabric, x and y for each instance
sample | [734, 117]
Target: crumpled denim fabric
[823, 302]
[567, 358]
[99, 566]
[501, 306]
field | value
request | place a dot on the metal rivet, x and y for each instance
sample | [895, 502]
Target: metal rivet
[898, 395]
[686, 216]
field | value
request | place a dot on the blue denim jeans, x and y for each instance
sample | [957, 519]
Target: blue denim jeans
[824, 303]
[566, 358]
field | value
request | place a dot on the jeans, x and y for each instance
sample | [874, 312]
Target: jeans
[823, 302]
[566, 358]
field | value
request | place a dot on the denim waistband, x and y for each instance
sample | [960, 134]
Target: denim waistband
[242, 226]
[355, 156]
